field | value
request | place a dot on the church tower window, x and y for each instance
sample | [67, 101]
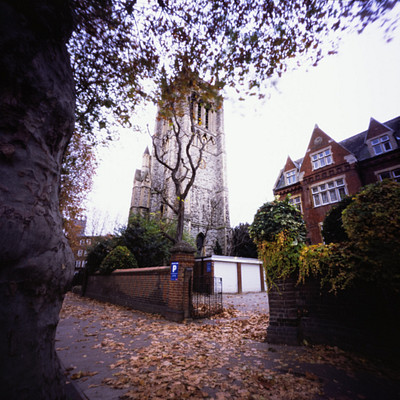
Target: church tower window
[199, 114]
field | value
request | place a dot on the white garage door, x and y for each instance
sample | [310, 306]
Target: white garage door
[228, 272]
[251, 278]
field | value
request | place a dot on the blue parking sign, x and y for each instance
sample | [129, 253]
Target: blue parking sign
[174, 271]
[208, 266]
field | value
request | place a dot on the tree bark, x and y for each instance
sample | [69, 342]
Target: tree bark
[36, 123]
[180, 221]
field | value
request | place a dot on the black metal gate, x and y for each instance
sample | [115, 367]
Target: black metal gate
[206, 297]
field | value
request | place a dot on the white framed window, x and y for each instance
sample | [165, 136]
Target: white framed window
[296, 201]
[321, 159]
[393, 174]
[88, 241]
[381, 144]
[80, 252]
[77, 264]
[82, 241]
[291, 177]
[329, 192]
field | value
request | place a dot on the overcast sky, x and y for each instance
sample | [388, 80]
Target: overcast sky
[341, 94]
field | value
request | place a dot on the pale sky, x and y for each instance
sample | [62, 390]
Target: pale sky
[341, 94]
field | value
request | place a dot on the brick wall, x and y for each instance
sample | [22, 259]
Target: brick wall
[149, 289]
[145, 289]
[363, 319]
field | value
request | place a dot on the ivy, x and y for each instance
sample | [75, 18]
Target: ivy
[279, 231]
[275, 217]
[280, 257]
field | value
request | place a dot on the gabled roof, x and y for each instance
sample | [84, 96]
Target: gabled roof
[289, 164]
[376, 129]
[281, 178]
[356, 144]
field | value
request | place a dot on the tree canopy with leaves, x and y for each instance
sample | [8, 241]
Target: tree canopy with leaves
[100, 58]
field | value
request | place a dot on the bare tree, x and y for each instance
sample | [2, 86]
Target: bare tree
[115, 46]
[178, 145]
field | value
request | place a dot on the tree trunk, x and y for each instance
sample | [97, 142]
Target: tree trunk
[36, 123]
[180, 220]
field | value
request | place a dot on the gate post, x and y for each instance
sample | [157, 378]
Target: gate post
[179, 291]
[284, 321]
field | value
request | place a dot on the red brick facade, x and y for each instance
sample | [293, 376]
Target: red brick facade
[330, 170]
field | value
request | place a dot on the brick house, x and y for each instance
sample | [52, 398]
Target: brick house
[331, 170]
[81, 244]
[81, 251]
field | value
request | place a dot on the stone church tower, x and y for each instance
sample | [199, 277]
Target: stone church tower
[206, 207]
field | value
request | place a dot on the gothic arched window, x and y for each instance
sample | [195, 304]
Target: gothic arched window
[200, 242]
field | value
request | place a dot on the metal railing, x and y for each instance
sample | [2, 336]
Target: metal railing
[206, 297]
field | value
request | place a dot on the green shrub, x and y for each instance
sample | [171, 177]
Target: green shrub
[119, 258]
[372, 223]
[371, 252]
[332, 227]
[275, 217]
[279, 232]
[146, 241]
[98, 252]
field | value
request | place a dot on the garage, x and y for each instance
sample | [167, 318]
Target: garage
[239, 275]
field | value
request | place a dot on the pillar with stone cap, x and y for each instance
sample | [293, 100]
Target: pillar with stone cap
[180, 288]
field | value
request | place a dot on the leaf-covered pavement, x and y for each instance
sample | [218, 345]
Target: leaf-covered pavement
[113, 352]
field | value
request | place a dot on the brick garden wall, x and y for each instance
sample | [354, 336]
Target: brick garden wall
[149, 289]
[145, 289]
[362, 319]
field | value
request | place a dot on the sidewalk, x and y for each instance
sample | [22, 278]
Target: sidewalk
[110, 352]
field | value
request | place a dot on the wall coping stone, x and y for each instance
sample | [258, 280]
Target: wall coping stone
[130, 271]
[183, 247]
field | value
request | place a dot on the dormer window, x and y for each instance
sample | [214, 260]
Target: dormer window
[321, 159]
[291, 177]
[381, 144]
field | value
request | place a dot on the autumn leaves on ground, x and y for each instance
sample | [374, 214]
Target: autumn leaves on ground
[146, 357]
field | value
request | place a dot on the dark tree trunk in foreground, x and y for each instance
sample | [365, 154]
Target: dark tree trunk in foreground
[36, 122]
